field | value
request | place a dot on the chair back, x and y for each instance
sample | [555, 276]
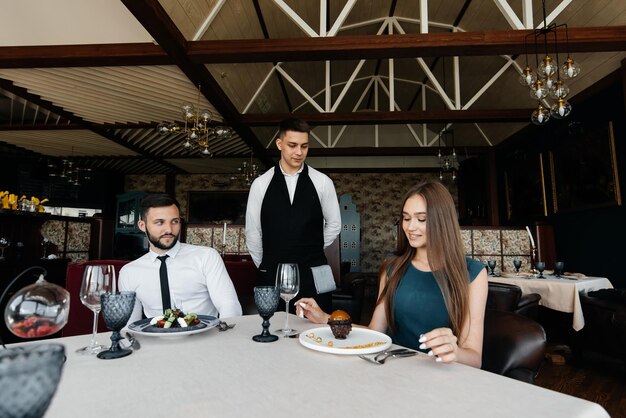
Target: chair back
[513, 345]
[503, 297]
[80, 318]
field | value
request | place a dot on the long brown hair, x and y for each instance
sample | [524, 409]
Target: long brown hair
[445, 253]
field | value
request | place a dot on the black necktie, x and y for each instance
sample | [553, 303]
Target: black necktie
[165, 287]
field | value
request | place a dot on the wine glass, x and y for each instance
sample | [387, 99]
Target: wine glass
[266, 300]
[97, 280]
[559, 267]
[288, 284]
[517, 264]
[492, 266]
[4, 243]
[540, 266]
[116, 310]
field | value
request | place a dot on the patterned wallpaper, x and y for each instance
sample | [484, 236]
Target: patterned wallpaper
[378, 197]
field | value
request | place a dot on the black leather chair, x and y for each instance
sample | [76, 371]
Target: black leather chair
[349, 297]
[509, 298]
[513, 345]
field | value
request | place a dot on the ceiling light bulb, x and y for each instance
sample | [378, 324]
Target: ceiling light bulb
[559, 90]
[538, 91]
[527, 78]
[547, 68]
[163, 129]
[570, 69]
[548, 83]
[561, 109]
[187, 144]
[540, 116]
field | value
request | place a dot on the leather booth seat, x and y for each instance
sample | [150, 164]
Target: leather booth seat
[242, 272]
[349, 297]
[509, 298]
[605, 324]
[513, 345]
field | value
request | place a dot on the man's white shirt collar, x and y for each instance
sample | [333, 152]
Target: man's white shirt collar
[172, 252]
[291, 175]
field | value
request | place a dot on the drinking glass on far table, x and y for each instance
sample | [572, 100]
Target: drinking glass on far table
[288, 284]
[97, 280]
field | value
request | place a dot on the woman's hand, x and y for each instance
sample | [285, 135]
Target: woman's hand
[442, 343]
[309, 308]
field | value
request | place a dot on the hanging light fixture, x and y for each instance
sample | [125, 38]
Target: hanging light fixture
[196, 127]
[549, 75]
[69, 171]
[447, 163]
[249, 171]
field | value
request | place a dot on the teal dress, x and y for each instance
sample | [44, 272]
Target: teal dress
[419, 306]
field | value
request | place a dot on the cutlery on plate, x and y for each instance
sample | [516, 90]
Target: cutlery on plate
[223, 326]
[380, 358]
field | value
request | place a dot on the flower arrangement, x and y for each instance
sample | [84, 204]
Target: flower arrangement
[12, 202]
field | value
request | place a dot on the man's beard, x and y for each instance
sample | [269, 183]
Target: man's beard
[157, 243]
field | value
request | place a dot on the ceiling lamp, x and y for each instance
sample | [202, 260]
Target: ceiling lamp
[196, 127]
[249, 171]
[549, 75]
[447, 163]
[69, 171]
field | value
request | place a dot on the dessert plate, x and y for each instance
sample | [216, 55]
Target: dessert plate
[143, 327]
[359, 341]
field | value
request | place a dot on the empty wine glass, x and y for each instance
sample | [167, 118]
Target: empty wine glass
[492, 265]
[517, 264]
[4, 243]
[288, 284]
[540, 266]
[266, 300]
[559, 267]
[116, 310]
[97, 280]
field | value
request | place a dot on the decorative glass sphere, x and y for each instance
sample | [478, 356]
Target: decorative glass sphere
[527, 78]
[187, 107]
[205, 115]
[538, 91]
[561, 109]
[570, 69]
[547, 67]
[163, 129]
[559, 90]
[540, 116]
[548, 83]
[38, 310]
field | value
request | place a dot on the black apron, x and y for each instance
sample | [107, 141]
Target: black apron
[293, 233]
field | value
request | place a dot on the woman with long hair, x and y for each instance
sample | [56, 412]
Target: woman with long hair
[431, 297]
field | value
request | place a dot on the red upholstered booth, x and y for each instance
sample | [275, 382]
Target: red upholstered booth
[80, 320]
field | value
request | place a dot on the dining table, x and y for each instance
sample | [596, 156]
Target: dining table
[559, 293]
[227, 374]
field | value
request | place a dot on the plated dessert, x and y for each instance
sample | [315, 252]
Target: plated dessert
[340, 324]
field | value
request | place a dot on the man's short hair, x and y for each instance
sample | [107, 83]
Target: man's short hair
[156, 200]
[293, 124]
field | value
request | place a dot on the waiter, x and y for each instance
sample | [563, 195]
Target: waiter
[292, 214]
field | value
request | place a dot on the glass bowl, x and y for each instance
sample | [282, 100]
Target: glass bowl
[38, 310]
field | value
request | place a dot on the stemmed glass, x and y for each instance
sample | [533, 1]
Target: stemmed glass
[116, 310]
[540, 266]
[492, 265]
[559, 266]
[97, 280]
[517, 264]
[4, 243]
[288, 284]
[266, 300]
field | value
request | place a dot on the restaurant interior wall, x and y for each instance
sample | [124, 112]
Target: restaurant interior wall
[589, 238]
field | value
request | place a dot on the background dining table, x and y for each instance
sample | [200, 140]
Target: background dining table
[226, 374]
[560, 294]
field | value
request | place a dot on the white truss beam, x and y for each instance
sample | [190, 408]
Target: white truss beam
[509, 14]
[323, 20]
[209, 19]
[488, 84]
[485, 137]
[261, 87]
[423, 16]
[296, 19]
[341, 18]
[527, 13]
[457, 82]
[557, 11]
[300, 89]
[396, 107]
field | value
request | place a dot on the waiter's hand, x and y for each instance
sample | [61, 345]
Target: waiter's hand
[308, 307]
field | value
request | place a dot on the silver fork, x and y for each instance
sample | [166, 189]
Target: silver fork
[380, 358]
[132, 341]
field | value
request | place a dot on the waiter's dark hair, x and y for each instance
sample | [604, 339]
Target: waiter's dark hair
[156, 200]
[293, 124]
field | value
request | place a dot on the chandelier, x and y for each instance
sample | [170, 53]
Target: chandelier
[548, 78]
[196, 127]
[68, 170]
[447, 163]
[249, 171]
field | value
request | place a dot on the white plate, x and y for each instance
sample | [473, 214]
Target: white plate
[359, 341]
[142, 327]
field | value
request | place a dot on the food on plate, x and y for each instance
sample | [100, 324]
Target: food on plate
[340, 324]
[175, 318]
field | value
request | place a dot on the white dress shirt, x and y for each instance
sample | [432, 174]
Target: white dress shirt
[198, 283]
[325, 191]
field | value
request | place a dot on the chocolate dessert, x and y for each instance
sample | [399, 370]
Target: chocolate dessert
[340, 324]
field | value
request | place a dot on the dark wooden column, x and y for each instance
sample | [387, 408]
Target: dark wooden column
[492, 189]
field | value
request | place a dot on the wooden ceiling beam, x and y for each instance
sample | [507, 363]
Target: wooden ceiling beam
[391, 118]
[510, 42]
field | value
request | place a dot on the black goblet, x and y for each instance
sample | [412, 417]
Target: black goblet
[540, 266]
[116, 310]
[266, 299]
[29, 377]
[492, 266]
[559, 267]
[517, 264]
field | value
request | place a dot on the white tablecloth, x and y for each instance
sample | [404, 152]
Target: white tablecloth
[226, 374]
[559, 294]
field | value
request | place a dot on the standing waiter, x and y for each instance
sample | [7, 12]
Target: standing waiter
[292, 213]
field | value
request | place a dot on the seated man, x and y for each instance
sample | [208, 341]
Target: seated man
[191, 278]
